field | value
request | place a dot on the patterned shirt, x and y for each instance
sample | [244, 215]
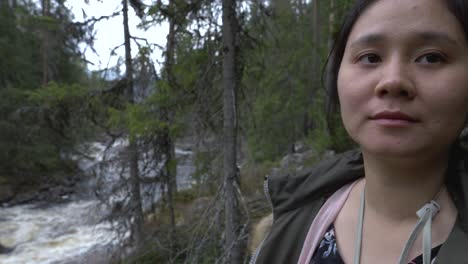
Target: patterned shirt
[327, 252]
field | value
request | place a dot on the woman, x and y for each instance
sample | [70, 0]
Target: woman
[400, 71]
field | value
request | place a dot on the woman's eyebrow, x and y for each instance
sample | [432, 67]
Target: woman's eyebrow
[436, 36]
[425, 36]
[368, 39]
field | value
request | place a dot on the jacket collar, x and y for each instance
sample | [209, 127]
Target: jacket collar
[293, 190]
[454, 250]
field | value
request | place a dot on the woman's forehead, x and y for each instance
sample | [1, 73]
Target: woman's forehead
[400, 18]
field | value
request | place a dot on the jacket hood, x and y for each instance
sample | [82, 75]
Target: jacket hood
[290, 191]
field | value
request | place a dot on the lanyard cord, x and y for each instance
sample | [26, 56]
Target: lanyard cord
[357, 252]
[425, 214]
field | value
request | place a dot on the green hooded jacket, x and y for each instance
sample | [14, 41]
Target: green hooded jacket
[297, 198]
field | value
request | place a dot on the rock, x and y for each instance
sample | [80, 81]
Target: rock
[300, 155]
[329, 154]
[297, 159]
[24, 197]
[311, 154]
[290, 160]
[5, 250]
[6, 193]
[299, 147]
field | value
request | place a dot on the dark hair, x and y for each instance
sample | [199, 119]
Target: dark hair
[336, 55]
[459, 8]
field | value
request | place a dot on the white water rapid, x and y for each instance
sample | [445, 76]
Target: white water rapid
[74, 232]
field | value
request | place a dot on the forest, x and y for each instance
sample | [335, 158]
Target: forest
[157, 163]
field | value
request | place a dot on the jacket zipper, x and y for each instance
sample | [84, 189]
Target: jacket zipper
[253, 260]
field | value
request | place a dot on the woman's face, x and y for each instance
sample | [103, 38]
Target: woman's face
[403, 81]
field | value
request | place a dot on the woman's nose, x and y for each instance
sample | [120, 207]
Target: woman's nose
[395, 81]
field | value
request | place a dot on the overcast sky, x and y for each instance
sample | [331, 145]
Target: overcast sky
[109, 33]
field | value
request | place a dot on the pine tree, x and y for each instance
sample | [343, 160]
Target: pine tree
[135, 201]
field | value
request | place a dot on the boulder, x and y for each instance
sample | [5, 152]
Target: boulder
[24, 197]
[299, 147]
[5, 250]
[296, 160]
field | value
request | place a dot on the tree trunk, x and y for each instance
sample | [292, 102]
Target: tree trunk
[169, 174]
[136, 207]
[169, 63]
[230, 81]
[168, 148]
[45, 43]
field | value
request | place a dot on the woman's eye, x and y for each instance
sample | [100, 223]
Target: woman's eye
[431, 58]
[369, 59]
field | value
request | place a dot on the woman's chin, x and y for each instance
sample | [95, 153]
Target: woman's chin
[394, 151]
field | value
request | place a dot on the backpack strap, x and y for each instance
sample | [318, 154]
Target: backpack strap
[325, 217]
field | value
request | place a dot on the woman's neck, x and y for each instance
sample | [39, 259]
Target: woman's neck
[396, 189]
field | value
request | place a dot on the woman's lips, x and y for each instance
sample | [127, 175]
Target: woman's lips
[393, 119]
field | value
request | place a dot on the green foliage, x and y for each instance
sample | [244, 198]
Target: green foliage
[54, 93]
[38, 122]
[284, 98]
[321, 138]
[340, 141]
[279, 82]
[116, 117]
[27, 146]
[18, 69]
[141, 120]
[253, 174]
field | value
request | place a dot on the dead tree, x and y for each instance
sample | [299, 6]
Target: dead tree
[230, 86]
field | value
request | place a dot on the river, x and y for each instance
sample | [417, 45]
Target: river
[74, 231]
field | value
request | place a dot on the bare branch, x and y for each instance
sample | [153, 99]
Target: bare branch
[94, 20]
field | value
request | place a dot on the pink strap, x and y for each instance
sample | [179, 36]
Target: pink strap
[322, 222]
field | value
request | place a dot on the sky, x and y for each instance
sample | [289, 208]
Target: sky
[109, 33]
